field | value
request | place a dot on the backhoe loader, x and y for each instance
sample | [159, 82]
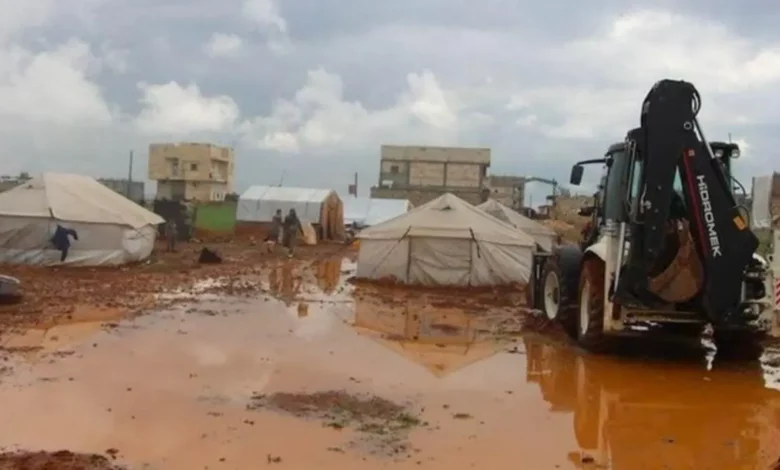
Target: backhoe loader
[668, 248]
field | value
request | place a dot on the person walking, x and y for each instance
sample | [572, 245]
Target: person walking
[171, 232]
[275, 234]
[291, 228]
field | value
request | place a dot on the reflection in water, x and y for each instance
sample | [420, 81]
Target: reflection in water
[442, 339]
[282, 282]
[630, 414]
[328, 274]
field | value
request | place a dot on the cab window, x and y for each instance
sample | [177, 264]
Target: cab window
[615, 187]
[676, 185]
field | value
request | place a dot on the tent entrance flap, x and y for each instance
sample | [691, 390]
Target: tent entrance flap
[440, 260]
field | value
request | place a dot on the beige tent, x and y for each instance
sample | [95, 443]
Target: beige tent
[544, 236]
[445, 242]
[110, 228]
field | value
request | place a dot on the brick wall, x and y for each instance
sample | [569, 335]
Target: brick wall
[463, 175]
[426, 174]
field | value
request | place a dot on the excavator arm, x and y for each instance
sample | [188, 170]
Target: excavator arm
[670, 142]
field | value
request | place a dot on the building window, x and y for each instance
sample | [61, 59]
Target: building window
[193, 167]
[394, 169]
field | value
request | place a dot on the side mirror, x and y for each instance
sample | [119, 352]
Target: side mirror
[576, 175]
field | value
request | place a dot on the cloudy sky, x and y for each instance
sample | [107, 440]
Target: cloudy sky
[309, 89]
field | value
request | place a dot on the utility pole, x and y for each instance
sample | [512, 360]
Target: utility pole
[129, 176]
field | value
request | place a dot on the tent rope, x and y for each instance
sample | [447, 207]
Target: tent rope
[473, 237]
[379, 264]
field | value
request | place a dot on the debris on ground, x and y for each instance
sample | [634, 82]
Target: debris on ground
[383, 423]
[59, 460]
[10, 290]
[208, 256]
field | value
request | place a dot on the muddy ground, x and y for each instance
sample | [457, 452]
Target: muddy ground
[290, 365]
[57, 295]
[59, 460]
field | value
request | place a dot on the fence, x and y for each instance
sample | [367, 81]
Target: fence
[216, 217]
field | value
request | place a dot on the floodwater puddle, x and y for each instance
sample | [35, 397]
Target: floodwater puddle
[442, 339]
[630, 413]
[185, 389]
[74, 328]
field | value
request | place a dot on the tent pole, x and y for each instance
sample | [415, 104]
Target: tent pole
[408, 259]
[471, 260]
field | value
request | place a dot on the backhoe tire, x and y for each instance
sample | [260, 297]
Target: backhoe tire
[590, 314]
[558, 291]
[737, 344]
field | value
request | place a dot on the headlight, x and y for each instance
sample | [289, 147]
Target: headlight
[761, 260]
[734, 153]
[719, 153]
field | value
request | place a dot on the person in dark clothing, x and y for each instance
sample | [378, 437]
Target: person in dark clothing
[291, 228]
[61, 240]
[171, 234]
[275, 234]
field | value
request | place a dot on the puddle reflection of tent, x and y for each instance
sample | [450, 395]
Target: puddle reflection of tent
[328, 274]
[443, 340]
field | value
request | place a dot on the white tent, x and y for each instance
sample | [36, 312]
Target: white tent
[111, 229]
[259, 203]
[445, 242]
[544, 236]
[367, 211]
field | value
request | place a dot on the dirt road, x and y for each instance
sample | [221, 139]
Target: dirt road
[317, 373]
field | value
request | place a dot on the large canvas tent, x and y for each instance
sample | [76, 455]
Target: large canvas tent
[445, 242]
[365, 211]
[544, 236]
[320, 207]
[111, 229]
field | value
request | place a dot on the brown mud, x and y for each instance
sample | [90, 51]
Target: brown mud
[59, 295]
[313, 372]
[59, 460]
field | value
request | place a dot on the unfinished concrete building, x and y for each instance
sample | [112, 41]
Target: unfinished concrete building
[421, 174]
[508, 190]
[191, 171]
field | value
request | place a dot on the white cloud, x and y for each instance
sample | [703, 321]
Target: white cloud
[319, 118]
[171, 109]
[52, 86]
[639, 49]
[15, 16]
[650, 43]
[115, 60]
[224, 45]
[265, 14]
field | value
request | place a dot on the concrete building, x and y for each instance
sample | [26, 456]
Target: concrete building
[191, 171]
[508, 190]
[421, 174]
[120, 186]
